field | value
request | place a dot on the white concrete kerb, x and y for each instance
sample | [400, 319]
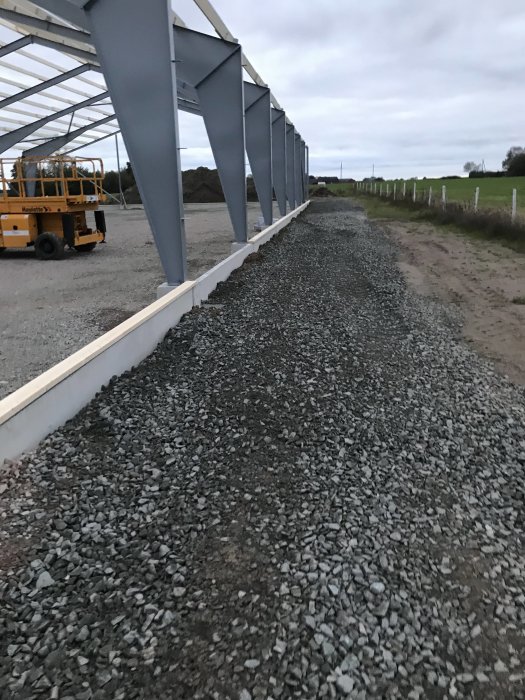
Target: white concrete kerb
[44, 404]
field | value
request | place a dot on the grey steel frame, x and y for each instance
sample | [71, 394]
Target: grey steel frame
[184, 70]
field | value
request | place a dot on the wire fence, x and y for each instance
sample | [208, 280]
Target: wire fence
[414, 192]
[434, 204]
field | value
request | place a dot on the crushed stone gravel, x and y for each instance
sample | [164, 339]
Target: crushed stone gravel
[312, 489]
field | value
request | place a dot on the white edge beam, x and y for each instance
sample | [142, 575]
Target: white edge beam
[31, 413]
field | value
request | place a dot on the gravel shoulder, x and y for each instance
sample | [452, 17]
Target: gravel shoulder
[312, 489]
[484, 279]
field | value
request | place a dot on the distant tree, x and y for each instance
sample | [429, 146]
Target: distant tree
[471, 167]
[516, 167]
[511, 154]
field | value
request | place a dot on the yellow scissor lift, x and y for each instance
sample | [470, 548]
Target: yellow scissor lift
[43, 203]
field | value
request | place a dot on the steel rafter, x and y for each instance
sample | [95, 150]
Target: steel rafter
[47, 84]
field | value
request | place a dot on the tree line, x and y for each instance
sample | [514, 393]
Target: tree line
[513, 165]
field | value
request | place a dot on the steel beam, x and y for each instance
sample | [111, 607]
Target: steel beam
[66, 10]
[47, 84]
[144, 95]
[48, 43]
[298, 171]
[13, 137]
[85, 145]
[290, 165]
[64, 48]
[214, 68]
[52, 145]
[44, 25]
[279, 157]
[15, 46]
[222, 30]
[257, 110]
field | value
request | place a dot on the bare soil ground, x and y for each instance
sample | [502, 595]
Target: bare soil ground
[481, 277]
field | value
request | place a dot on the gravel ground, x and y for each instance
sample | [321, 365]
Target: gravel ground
[312, 489]
[49, 310]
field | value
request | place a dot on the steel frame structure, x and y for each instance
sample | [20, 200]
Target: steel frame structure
[176, 68]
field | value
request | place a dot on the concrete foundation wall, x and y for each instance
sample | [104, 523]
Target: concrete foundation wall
[32, 412]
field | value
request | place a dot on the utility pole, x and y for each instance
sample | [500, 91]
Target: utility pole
[373, 171]
[341, 171]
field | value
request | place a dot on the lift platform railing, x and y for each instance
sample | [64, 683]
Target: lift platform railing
[54, 177]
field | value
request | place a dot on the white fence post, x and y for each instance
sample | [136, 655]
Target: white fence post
[387, 189]
[430, 196]
[444, 196]
[415, 192]
[395, 187]
[476, 199]
[514, 203]
[404, 190]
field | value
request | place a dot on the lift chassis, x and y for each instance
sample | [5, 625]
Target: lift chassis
[43, 204]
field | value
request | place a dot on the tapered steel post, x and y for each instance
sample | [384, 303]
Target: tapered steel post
[298, 171]
[257, 110]
[279, 157]
[214, 68]
[134, 43]
[303, 171]
[290, 165]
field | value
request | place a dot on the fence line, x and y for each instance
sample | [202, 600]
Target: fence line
[428, 195]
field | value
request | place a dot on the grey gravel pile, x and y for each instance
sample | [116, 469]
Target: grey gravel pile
[312, 489]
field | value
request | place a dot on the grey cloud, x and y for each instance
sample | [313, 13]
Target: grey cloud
[417, 88]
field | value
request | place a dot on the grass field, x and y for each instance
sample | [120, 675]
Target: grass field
[494, 192]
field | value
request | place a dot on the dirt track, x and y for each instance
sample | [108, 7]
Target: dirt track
[482, 278]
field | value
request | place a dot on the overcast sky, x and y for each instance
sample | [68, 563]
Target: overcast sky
[416, 88]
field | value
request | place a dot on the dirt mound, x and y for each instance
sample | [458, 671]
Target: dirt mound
[199, 186]
[203, 192]
[322, 192]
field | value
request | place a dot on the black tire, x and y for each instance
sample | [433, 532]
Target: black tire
[86, 248]
[2, 250]
[48, 246]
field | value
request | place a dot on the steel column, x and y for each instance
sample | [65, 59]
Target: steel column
[298, 171]
[47, 84]
[279, 157]
[290, 165]
[214, 68]
[257, 110]
[13, 137]
[305, 173]
[143, 89]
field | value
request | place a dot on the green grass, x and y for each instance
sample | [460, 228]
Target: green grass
[494, 192]
[518, 300]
